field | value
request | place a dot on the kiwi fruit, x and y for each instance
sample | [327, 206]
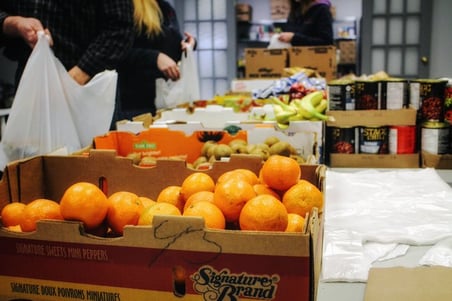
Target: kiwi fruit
[222, 150]
[281, 148]
[271, 140]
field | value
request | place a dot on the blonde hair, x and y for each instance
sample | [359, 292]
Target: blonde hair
[147, 17]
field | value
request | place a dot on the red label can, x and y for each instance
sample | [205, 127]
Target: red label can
[341, 140]
[367, 95]
[431, 99]
[402, 139]
[448, 102]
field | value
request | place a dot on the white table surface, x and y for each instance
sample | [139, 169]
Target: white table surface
[355, 291]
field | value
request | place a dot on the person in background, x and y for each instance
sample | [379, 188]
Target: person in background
[157, 48]
[309, 23]
[88, 37]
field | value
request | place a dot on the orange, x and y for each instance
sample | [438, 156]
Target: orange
[124, 209]
[197, 181]
[171, 194]
[260, 188]
[241, 173]
[158, 209]
[12, 214]
[230, 196]
[302, 197]
[146, 201]
[39, 209]
[295, 223]
[280, 172]
[200, 196]
[84, 202]
[213, 217]
[263, 213]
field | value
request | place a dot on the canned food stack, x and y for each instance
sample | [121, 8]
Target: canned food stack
[430, 98]
[365, 104]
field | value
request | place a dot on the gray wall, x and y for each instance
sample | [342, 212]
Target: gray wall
[441, 46]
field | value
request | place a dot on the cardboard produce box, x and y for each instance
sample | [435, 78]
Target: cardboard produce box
[59, 261]
[307, 137]
[319, 58]
[163, 142]
[265, 63]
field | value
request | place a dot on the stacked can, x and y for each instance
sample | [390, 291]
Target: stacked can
[402, 139]
[341, 95]
[367, 95]
[427, 96]
[373, 140]
[448, 102]
[341, 140]
[394, 93]
[435, 137]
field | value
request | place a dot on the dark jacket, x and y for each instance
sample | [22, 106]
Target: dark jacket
[138, 72]
[315, 27]
[94, 35]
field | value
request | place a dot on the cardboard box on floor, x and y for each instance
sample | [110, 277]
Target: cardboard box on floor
[414, 284]
[60, 262]
[372, 118]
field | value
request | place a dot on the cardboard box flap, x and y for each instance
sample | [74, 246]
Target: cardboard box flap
[414, 284]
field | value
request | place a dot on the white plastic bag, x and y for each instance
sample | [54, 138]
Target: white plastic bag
[170, 93]
[51, 111]
[275, 43]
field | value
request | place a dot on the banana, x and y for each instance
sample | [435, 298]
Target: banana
[321, 107]
[309, 103]
[310, 107]
[282, 111]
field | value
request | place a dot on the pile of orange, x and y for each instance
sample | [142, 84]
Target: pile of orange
[276, 199]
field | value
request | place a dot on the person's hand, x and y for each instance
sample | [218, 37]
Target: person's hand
[188, 41]
[80, 76]
[26, 28]
[286, 37]
[168, 66]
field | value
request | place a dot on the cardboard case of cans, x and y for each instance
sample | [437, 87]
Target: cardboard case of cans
[395, 120]
[59, 261]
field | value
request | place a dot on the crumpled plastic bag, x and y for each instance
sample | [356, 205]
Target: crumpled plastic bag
[374, 215]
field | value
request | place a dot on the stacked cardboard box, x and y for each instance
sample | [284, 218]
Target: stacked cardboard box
[270, 63]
